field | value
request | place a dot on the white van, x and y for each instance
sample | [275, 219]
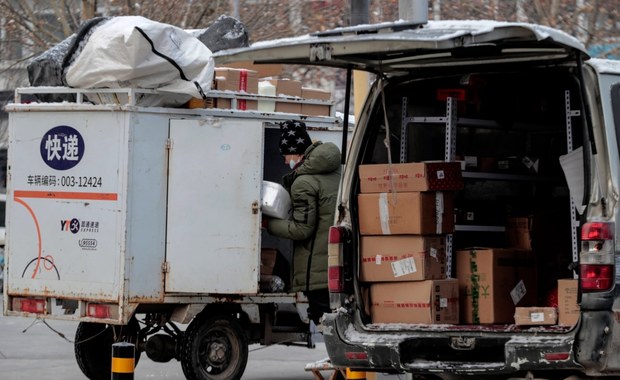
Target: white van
[479, 201]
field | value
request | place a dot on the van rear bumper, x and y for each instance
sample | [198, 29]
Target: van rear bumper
[433, 348]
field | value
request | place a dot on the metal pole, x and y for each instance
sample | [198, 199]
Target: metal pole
[359, 12]
[123, 361]
[345, 127]
[413, 10]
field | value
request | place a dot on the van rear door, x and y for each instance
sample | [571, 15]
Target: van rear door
[394, 48]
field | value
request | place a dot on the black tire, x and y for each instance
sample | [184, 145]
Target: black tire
[93, 346]
[214, 348]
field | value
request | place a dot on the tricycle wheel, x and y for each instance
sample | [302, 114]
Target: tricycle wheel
[214, 348]
[93, 346]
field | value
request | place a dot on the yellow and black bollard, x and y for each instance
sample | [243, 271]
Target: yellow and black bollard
[356, 375]
[123, 361]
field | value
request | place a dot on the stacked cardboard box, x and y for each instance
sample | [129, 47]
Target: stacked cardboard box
[405, 210]
[245, 77]
[568, 308]
[428, 302]
[289, 88]
[315, 109]
[242, 80]
[536, 316]
[492, 281]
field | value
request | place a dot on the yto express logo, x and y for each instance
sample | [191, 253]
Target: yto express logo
[62, 147]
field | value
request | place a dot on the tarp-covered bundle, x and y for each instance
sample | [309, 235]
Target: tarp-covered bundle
[133, 51]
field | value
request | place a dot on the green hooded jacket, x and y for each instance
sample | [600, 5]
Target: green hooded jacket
[313, 187]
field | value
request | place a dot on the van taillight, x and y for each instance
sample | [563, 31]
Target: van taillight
[335, 281]
[596, 277]
[596, 269]
[597, 231]
[335, 235]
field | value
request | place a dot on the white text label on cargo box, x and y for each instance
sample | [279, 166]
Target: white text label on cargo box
[403, 267]
[443, 302]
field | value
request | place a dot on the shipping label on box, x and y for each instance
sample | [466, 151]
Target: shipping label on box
[429, 302]
[491, 279]
[422, 213]
[536, 316]
[402, 258]
[568, 308]
[412, 176]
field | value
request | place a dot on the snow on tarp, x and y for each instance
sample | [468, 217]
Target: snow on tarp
[133, 51]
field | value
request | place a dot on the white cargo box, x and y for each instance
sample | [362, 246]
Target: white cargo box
[118, 202]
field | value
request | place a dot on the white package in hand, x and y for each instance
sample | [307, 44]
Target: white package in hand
[276, 201]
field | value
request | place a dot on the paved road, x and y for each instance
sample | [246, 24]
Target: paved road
[31, 350]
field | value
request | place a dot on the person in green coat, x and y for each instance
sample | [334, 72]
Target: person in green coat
[313, 187]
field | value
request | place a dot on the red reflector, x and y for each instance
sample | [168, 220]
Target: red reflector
[29, 305]
[335, 235]
[596, 277]
[597, 231]
[334, 282]
[555, 356]
[98, 311]
[356, 355]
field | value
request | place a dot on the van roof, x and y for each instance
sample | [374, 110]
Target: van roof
[605, 66]
[398, 47]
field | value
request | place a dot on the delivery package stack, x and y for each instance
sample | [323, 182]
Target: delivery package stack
[405, 212]
[248, 81]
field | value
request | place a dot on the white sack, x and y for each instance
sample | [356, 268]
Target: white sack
[132, 51]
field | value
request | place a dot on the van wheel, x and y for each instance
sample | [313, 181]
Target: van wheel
[93, 346]
[214, 348]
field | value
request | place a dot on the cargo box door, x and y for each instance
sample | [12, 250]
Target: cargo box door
[213, 231]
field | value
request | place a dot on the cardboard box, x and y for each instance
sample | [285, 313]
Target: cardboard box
[536, 316]
[315, 109]
[262, 69]
[492, 281]
[412, 176]
[402, 258]
[201, 103]
[238, 80]
[518, 233]
[430, 302]
[229, 79]
[268, 258]
[287, 87]
[242, 104]
[568, 308]
[420, 213]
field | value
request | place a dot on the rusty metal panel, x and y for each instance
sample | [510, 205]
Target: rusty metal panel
[213, 234]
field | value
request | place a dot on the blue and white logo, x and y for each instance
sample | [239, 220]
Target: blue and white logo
[62, 147]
